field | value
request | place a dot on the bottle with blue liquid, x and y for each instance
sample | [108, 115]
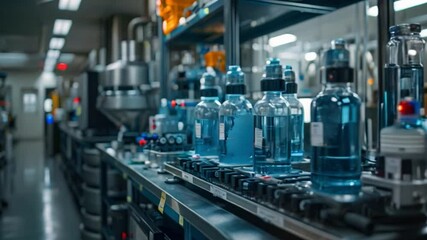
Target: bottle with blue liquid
[271, 124]
[335, 127]
[206, 117]
[235, 122]
[296, 124]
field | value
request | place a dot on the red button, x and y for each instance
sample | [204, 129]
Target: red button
[142, 142]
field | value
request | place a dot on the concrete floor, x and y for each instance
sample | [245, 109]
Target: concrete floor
[41, 206]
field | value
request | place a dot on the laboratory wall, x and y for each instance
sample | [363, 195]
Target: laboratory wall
[27, 95]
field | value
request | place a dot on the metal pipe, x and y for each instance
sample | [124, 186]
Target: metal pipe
[139, 21]
[385, 20]
[232, 34]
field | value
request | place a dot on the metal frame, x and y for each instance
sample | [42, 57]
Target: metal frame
[385, 20]
[202, 214]
[232, 36]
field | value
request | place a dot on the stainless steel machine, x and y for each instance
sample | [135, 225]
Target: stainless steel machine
[127, 94]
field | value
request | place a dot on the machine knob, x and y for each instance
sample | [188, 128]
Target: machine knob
[171, 140]
[142, 142]
[179, 140]
[163, 141]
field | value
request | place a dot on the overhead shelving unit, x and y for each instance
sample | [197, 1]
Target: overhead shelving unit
[231, 22]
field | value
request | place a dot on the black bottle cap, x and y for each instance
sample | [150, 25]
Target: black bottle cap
[209, 92]
[405, 29]
[235, 89]
[339, 75]
[289, 76]
[291, 88]
[268, 85]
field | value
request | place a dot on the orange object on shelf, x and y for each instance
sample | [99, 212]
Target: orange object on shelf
[216, 59]
[171, 11]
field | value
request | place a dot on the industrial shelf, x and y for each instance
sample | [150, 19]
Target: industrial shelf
[256, 18]
[202, 26]
[181, 203]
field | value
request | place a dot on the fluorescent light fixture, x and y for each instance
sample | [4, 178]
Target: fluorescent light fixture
[62, 26]
[423, 33]
[398, 6]
[71, 5]
[56, 43]
[405, 4]
[310, 56]
[282, 40]
[53, 54]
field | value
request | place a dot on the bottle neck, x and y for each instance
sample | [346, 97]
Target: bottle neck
[209, 99]
[294, 95]
[273, 94]
[234, 97]
[329, 85]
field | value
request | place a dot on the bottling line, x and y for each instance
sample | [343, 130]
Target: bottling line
[182, 151]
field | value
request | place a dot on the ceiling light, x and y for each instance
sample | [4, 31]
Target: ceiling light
[56, 43]
[405, 4]
[71, 5]
[282, 40]
[423, 33]
[53, 54]
[398, 6]
[62, 26]
[310, 56]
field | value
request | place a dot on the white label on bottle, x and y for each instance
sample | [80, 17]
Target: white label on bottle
[221, 131]
[258, 138]
[198, 130]
[393, 168]
[316, 130]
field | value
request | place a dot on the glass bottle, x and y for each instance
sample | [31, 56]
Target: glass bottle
[271, 124]
[407, 50]
[206, 117]
[296, 123]
[235, 122]
[335, 127]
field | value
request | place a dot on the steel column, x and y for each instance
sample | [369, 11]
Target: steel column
[164, 60]
[385, 20]
[232, 34]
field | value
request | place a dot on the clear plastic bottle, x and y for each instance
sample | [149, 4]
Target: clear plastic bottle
[335, 127]
[271, 124]
[406, 49]
[296, 123]
[235, 122]
[206, 117]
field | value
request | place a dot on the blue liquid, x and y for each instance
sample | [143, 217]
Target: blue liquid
[207, 144]
[237, 147]
[206, 126]
[273, 157]
[296, 130]
[297, 137]
[336, 164]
